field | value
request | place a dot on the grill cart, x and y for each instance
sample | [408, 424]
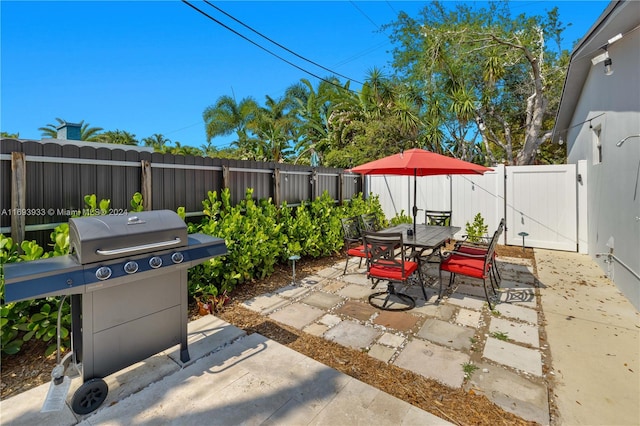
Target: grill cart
[126, 276]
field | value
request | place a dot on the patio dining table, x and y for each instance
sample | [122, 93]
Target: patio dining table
[425, 237]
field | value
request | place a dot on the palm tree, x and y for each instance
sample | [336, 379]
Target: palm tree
[314, 106]
[226, 116]
[275, 126]
[120, 137]
[90, 134]
[158, 142]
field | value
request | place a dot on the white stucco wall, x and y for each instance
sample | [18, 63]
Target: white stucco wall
[613, 209]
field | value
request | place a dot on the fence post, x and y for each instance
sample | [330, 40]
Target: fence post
[341, 188]
[225, 177]
[314, 184]
[276, 187]
[145, 185]
[18, 196]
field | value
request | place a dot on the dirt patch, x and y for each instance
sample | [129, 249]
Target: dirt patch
[30, 368]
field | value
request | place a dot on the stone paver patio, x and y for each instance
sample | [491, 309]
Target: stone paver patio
[457, 341]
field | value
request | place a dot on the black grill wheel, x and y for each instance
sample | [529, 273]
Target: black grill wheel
[89, 396]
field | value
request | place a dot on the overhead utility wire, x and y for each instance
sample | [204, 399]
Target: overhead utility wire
[278, 44]
[264, 48]
[365, 15]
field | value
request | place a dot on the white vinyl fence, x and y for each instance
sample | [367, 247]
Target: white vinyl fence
[538, 200]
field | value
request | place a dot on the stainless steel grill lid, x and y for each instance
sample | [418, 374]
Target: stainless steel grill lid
[99, 238]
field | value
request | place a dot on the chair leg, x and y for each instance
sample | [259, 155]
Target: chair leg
[486, 294]
[496, 272]
[494, 281]
[346, 263]
[424, 292]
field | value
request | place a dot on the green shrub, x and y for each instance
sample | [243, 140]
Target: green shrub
[476, 230]
[401, 218]
[258, 236]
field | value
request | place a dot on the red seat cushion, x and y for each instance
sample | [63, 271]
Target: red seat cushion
[357, 251]
[471, 267]
[392, 271]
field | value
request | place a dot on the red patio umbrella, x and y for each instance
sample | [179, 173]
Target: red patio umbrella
[419, 162]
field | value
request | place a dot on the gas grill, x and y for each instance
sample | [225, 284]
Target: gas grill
[127, 278]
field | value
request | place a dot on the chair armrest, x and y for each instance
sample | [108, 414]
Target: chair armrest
[463, 254]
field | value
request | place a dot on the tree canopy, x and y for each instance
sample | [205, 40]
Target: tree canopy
[477, 83]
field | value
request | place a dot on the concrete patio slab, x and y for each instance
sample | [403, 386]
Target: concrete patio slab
[466, 301]
[468, 318]
[477, 291]
[330, 320]
[331, 272]
[361, 404]
[446, 334]
[401, 321]
[433, 361]
[322, 300]
[297, 315]
[312, 281]
[219, 333]
[316, 329]
[265, 303]
[594, 338]
[292, 291]
[358, 310]
[352, 334]
[392, 340]
[509, 354]
[355, 291]
[332, 286]
[512, 392]
[357, 278]
[509, 310]
[519, 296]
[381, 352]
[522, 333]
[441, 311]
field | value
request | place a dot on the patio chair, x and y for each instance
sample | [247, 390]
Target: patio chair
[437, 217]
[480, 247]
[471, 264]
[369, 223]
[433, 218]
[386, 262]
[352, 240]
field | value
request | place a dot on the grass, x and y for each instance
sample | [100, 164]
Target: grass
[469, 368]
[500, 335]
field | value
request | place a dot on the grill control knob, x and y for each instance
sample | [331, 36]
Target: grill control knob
[131, 267]
[155, 262]
[103, 273]
[177, 257]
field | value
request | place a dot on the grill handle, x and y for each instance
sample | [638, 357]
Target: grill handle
[151, 246]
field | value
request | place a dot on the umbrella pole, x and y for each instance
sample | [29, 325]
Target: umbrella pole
[415, 207]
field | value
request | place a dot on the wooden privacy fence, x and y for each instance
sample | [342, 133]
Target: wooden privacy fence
[44, 183]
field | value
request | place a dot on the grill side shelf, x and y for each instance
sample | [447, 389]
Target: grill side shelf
[55, 276]
[202, 247]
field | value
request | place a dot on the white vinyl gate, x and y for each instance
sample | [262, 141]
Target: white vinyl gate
[538, 200]
[542, 202]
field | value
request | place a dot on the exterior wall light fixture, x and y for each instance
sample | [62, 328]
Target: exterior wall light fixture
[607, 67]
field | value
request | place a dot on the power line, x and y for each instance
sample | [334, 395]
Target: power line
[278, 44]
[365, 15]
[264, 48]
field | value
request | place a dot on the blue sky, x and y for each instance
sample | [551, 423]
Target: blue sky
[153, 67]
